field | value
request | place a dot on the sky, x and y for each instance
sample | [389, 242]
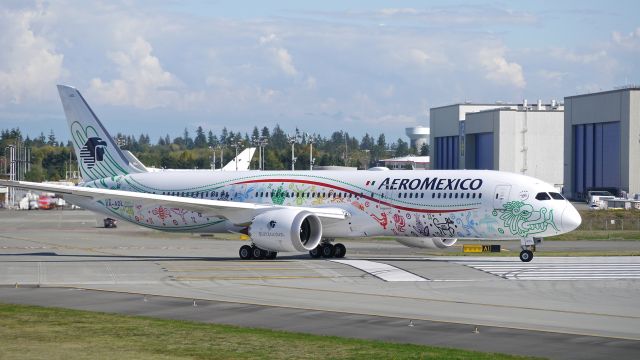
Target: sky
[158, 67]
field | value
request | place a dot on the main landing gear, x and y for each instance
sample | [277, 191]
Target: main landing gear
[528, 246]
[252, 252]
[328, 250]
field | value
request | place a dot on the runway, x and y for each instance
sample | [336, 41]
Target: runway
[552, 307]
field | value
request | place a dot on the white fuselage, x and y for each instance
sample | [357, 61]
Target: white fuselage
[475, 204]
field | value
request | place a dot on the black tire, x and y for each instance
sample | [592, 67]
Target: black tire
[258, 253]
[271, 255]
[328, 250]
[339, 251]
[526, 255]
[245, 252]
[316, 253]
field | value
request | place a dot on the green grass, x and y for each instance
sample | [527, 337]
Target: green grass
[30, 332]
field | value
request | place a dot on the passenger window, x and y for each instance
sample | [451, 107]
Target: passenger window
[474, 195]
[542, 196]
[480, 196]
[556, 196]
[399, 195]
[439, 195]
[433, 195]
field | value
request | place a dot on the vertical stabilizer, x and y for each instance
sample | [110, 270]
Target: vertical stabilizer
[98, 155]
[241, 162]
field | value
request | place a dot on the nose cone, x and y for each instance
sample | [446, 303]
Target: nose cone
[570, 218]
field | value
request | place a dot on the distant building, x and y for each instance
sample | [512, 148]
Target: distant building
[519, 138]
[602, 141]
[407, 162]
[418, 136]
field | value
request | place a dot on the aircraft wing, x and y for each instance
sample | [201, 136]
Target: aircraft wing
[236, 212]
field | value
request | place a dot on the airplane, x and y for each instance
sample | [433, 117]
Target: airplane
[304, 211]
[238, 163]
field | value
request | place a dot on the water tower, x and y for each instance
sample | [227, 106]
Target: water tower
[418, 135]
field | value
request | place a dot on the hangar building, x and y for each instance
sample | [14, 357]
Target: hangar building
[520, 138]
[602, 149]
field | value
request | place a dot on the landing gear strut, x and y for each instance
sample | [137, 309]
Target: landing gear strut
[253, 252]
[528, 247]
[328, 250]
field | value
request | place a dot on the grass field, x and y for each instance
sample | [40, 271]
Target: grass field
[29, 332]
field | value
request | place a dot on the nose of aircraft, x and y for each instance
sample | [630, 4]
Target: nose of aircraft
[570, 218]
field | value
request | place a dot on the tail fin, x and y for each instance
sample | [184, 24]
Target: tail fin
[98, 155]
[242, 162]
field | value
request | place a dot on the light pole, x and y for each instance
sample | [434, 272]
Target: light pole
[293, 140]
[213, 158]
[311, 140]
[237, 145]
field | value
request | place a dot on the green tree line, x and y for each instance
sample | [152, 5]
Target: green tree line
[51, 159]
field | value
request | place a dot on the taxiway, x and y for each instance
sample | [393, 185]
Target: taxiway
[555, 307]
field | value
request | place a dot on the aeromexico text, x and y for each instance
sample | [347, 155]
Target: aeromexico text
[430, 184]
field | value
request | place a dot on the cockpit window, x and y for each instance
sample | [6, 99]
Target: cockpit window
[556, 196]
[542, 196]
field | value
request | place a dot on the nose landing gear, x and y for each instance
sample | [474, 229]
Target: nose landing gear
[528, 246]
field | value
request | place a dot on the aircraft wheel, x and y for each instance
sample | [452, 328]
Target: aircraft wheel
[271, 255]
[339, 251]
[526, 255]
[328, 250]
[258, 253]
[317, 252]
[245, 252]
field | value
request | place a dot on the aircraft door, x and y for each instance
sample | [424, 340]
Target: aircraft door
[501, 196]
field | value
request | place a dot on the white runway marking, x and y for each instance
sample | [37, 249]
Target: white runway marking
[382, 271]
[551, 269]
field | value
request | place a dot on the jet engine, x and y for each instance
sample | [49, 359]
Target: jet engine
[434, 243]
[286, 230]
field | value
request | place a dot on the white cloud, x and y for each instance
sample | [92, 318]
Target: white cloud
[142, 81]
[499, 70]
[284, 60]
[30, 66]
[630, 41]
[575, 57]
[555, 76]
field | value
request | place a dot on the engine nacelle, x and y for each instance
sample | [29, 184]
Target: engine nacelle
[427, 243]
[286, 230]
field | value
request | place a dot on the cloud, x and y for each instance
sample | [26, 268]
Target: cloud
[630, 41]
[142, 81]
[284, 60]
[499, 70]
[554, 76]
[575, 57]
[458, 15]
[30, 66]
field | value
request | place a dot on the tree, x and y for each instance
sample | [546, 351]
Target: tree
[424, 150]
[52, 139]
[212, 140]
[224, 136]
[200, 140]
[367, 142]
[188, 142]
[402, 148]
